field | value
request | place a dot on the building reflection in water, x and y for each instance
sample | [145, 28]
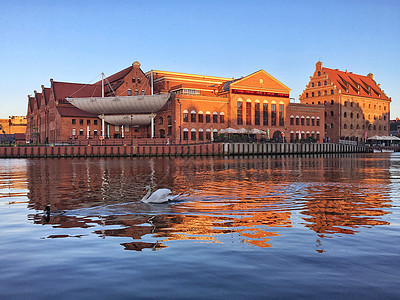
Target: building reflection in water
[247, 200]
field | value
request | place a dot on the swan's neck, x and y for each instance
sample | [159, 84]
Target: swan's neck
[145, 197]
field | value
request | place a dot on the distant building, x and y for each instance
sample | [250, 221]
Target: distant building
[355, 105]
[197, 107]
[395, 127]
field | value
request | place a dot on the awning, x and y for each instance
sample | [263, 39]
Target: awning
[121, 104]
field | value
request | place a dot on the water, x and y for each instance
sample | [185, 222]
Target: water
[318, 227]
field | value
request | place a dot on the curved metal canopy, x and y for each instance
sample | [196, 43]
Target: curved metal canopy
[143, 119]
[121, 105]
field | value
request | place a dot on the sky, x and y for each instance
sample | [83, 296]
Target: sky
[75, 41]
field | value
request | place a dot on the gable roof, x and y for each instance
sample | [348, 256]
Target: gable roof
[31, 103]
[63, 90]
[259, 80]
[38, 99]
[354, 84]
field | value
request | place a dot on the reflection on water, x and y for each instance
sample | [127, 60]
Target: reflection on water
[245, 200]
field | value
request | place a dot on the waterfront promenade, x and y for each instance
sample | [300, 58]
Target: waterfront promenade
[206, 149]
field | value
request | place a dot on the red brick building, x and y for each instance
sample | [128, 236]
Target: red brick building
[355, 105]
[198, 107]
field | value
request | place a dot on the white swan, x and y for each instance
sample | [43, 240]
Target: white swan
[159, 196]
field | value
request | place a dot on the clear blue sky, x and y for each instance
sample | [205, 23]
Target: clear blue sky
[77, 40]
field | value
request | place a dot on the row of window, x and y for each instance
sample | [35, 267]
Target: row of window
[357, 126]
[319, 93]
[319, 83]
[136, 92]
[304, 121]
[81, 122]
[199, 117]
[351, 104]
[258, 113]
[200, 135]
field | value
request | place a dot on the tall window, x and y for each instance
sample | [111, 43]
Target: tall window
[185, 134]
[281, 113]
[273, 114]
[185, 116]
[257, 113]
[201, 117]
[201, 135]
[291, 120]
[265, 114]
[193, 135]
[297, 120]
[193, 116]
[215, 117]
[221, 118]
[248, 113]
[240, 113]
[208, 117]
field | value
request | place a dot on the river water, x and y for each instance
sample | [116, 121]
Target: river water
[311, 227]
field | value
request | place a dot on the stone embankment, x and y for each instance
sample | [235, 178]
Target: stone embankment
[211, 149]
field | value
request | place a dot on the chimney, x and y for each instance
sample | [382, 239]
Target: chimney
[370, 75]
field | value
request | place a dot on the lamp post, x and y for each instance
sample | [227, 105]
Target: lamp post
[131, 129]
[180, 120]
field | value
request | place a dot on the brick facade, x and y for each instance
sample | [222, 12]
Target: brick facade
[355, 105]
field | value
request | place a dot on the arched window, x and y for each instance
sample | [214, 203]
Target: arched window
[319, 93]
[193, 134]
[201, 117]
[297, 120]
[185, 116]
[201, 134]
[291, 120]
[185, 134]
[319, 73]
[325, 82]
[215, 117]
[208, 117]
[193, 116]
[222, 117]
[74, 131]
[239, 112]
[319, 83]
[161, 121]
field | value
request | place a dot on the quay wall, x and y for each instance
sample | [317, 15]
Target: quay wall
[211, 149]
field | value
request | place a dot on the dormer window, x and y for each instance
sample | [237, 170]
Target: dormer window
[133, 79]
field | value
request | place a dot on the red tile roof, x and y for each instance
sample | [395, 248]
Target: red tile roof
[38, 97]
[63, 90]
[31, 103]
[115, 80]
[46, 92]
[72, 111]
[354, 84]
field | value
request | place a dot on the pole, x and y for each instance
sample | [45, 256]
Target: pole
[102, 126]
[102, 85]
[152, 127]
[152, 82]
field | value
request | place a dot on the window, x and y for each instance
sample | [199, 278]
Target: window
[319, 83]
[331, 92]
[273, 114]
[74, 131]
[88, 122]
[302, 121]
[208, 135]
[201, 134]
[185, 116]
[116, 128]
[248, 113]
[95, 122]
[331, 125]
[351, 126]
[193, 135]
[185, 134]
[331, 113]
[307, 121]
[215, 117]
[80, 121]
[138, 80]
[297, 120]
[193, 116]
[317, 121]
[136, 92]
[129, 92]
[332, 102]
[208, 117]
[81, 132]
[325, 82]
[345, 126]
[257, 113]
[313, 122]
[201, 117]
[312, 84]
[312, 94]
[222, 118]
[95, 132]
[306, 95]
[240, 113]
[319, 93]
[291, 120]
[74, 121]
[351, 115]
[325, 92]
[281, 115]
[319, 73]
[265, 113]
[326, 103]
[133, 79]
[136, 128]
[161, 122]
[142, 92]
[345, 114]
